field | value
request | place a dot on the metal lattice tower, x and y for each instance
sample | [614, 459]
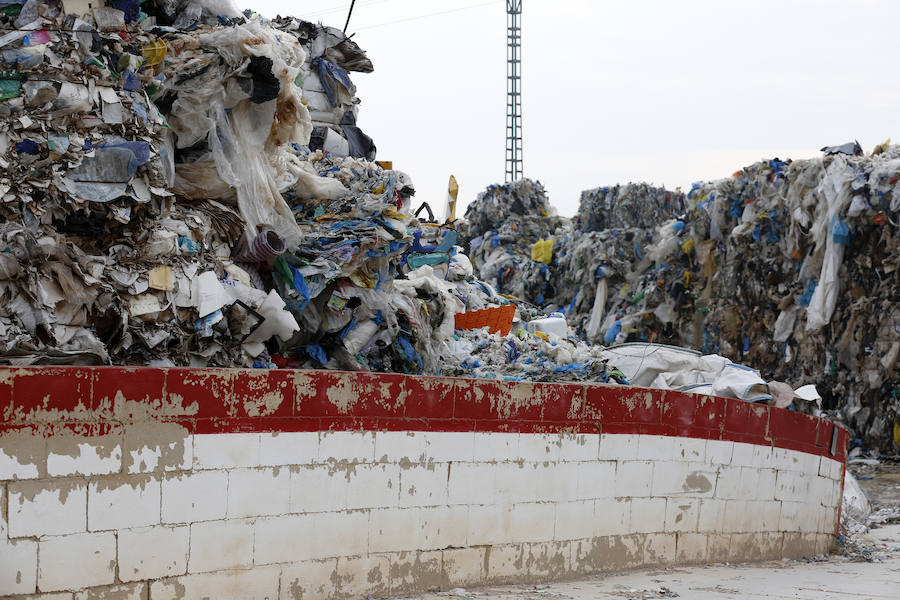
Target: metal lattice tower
[513, 90]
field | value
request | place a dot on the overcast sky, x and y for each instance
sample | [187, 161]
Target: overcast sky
[663, 91]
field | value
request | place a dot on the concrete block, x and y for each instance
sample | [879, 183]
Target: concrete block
[128, 591]
[579, 447]
[471, 483]
[394, 530]
[575, 520]
[18, 566]
[443, 527]
[220, 545]
[792, 486]
[539, 447]
[226, 450]
[346, 446]
[43, 507]
[829, 522]
[400, 446]
[623, 551]
[463, 567]
[809, 517]
[742, 455]
[719, 452]
[659, 549]
[23, 455]
[288, 448]
[792, 545]
[712, 516]
[690, 450]
[691, 547]
[549, 560]
[792, 514]
[505, 563]
[618, 446]
[194, 497]
[76, 561]
[341, 534]
[587, 555]
[489, 524]
[361, 576]
[532, 522]
[123, 502]
[557, 481]
[765, 484]
[633, 479]
[158, 447]
[309, 580]
[415, 571]
[318, 489]
[771, 545]
[495, 447]
[682, 514]
[769, 513]
[808, 463]
[749, 482]
[820, 489]
[743, 516]
[835, 469]
[373, 486]
[259, 583]
[596, 480]
[695, 480]
[153, 552]
[752, 455]
[728, 483]
[613, 516]
[656, 447]
[449, 446]
[783, 459]
[284, 539]
[746, 547]
[648, 515]
[424, 485]
[68, 454]
[258, 492]
[514, 481]
[718, 547]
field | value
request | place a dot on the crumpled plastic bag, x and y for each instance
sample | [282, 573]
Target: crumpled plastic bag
[542, 251]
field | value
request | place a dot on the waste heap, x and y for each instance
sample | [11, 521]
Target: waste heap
[158, 184]
[789, 266]
[632, 205]
[501, 228]
[190, 187]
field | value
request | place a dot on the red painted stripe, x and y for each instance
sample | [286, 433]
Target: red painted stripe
[93, 399]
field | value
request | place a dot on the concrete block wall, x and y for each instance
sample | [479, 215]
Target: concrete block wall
[180, 483]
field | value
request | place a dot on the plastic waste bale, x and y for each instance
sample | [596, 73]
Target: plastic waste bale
[632, 205]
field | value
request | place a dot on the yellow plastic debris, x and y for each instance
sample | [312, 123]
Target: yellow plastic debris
[161, 278]
[154, 53]
[687, 245]
[542, 251]
[897, 433]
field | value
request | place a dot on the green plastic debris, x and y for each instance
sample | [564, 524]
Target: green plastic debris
[11, 84]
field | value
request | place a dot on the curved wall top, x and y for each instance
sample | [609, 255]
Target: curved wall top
[234, 400]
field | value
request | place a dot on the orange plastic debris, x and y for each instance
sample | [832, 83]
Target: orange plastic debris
[499, 319]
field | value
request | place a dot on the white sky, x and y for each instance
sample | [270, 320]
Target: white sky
[663, 91]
